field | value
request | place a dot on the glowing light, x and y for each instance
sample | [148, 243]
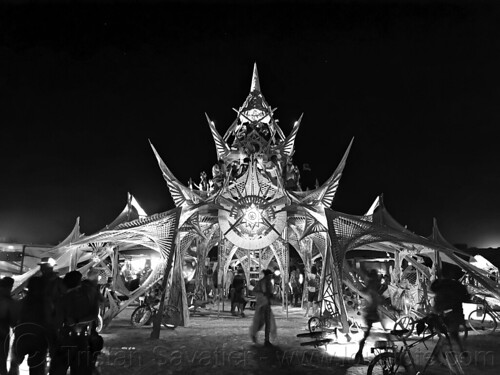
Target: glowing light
[252, 217]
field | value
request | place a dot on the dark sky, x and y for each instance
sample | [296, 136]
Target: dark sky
[83, 87]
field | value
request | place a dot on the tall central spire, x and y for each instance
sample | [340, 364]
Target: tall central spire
[255, 79]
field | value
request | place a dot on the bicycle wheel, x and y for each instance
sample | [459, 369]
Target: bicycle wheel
[140, 316]
[384, 364]
[451, 358]
[405, 322]
[482, 322]
[314, 324]
[171, 316]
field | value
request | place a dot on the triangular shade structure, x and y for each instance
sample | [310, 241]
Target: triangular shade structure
[131, 211]
[382, 217]
[439, 239]
[73, 236]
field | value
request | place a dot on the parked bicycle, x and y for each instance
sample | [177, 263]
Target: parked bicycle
[195, 304]
[484, 319]
[145, 313]
[324, 321]
[389, 360]
[412, 314]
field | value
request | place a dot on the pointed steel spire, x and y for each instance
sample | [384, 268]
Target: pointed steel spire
[220, 145]
[182, 195]
[255, 79]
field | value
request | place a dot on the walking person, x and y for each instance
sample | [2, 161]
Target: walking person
[370, 311]
[313, 284]
[238, 294]
[449, 294]
[263, 317]
[8, 319]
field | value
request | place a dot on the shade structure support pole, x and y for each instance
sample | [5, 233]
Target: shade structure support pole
[155, 334]
[115, 266]
[220, 269]
[22, 260]
[285, 275]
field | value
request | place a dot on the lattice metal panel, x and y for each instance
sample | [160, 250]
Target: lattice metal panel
[237, 189]
[266, 255]
[320, 242]
[185, 240]
[214, 238]
[329, 295]
[297, 221]
[268, 190]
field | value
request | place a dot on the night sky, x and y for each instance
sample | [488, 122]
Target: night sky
[83, 87]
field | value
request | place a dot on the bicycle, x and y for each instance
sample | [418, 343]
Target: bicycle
[194, 304]
[324, 321]
[388, 360]
[408, 320]
[484, 319]
[145, 313]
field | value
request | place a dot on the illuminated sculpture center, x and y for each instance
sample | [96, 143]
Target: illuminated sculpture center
[251, 222]
[252, 217]
[254, 200]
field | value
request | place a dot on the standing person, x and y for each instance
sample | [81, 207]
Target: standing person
[209, 283]
[238, 297]
[294, 286]
[79, 342]
[313, 284]
[301, 285]
[53, 290]
[228, 281]
[8, 319]
[263, 313]
[449, 294]
[215, 283]
[30, 336]
[277, 282]
[146, 271]
[370, 311]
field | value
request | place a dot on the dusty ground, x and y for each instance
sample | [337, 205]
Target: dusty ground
[222, 345]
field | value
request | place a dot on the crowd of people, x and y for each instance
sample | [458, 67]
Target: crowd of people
[56, 320]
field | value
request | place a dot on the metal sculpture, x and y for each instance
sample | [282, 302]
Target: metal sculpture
[253, 204]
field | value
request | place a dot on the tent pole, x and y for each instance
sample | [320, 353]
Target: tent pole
[155, 334]
[286, 275]
[219, 257]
